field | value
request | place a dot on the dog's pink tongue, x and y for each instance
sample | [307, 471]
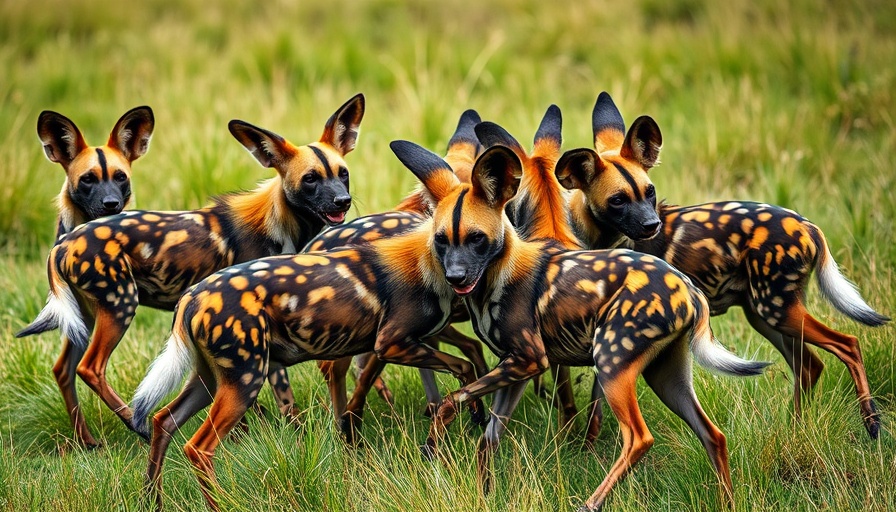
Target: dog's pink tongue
[336, 217]
[465, 290]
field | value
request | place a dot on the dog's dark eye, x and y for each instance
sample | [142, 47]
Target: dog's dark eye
[88, 179]
[120, 177]
[618, 200]
[343, 173]
[650, 192]
[311, 177]
[475, 238]
[441, 239]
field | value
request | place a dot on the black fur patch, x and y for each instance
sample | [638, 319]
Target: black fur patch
[606, 115]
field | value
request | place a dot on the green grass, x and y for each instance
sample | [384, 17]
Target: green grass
[791, 104]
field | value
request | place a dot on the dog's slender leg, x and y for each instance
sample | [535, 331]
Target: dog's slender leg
[669, 376]
[334, 373]
[595, 414]
[351, 417]
[799, 323]
[92, 369]
[505, 402]
[805, 364]
[283, 395]
[194, 397]
[230, 404]
[65, 371]
[636, 438]
[470, 347]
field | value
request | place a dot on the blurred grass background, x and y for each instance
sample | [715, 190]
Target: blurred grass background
[785, 102]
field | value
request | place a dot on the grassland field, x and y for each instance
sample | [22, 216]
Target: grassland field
[791, 103]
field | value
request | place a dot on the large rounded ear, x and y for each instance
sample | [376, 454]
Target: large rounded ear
[496, 176]
[436, 175]
[577, 168]
[548, 138]
[607, 124]
[341, 130]
[267, 147]
[132, 133]
[491, 134]
[60, 137]
[643, 142]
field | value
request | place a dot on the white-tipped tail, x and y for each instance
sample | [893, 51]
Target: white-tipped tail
[841, 292]
[710, 354]
[61, 312]
[164, 375]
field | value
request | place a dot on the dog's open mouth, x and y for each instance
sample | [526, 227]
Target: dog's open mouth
[465, 290]
[334, 218]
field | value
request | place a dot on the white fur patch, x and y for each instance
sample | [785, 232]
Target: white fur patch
[65, 308]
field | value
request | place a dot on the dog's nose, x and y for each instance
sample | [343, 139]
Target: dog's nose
[343, 201]
[455, 277]
[111, 203]
[651, 227]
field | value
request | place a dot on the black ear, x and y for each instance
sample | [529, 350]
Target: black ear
[549, 131]
[643, 142]
[132, 133]
[435, 174]
[267, 147]
[607, 124]
[496, 176]
[341, 130]
[490, 135]
[60, 137]
[577, 168]
[464, 133]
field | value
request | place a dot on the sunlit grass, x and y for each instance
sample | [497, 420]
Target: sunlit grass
[785, 102]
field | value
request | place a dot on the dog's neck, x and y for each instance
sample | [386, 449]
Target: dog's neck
[265, 212]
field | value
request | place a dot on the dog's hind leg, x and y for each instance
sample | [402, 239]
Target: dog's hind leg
[65, 371]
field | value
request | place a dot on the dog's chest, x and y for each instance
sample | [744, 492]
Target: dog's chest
[486, 317]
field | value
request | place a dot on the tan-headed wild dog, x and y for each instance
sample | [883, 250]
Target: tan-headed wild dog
[463, 148]
[753, 255]
[538, 211]
[102, 270]
[385, 296]
[97, 179]
[534, 304]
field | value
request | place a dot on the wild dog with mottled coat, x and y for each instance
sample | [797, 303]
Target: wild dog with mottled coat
[535, 304]
[538, 211]
[386, 296]
[97, 179]
[463, 148]
[739, 253]
[100, 272]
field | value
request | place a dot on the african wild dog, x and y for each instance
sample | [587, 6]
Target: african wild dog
[384, 296]
[538, 211]
[463, 148]
[102, 270]
[535, 304]
[753, 255]
[97, 179]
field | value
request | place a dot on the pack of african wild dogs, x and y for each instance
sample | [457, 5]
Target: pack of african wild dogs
[557, 259]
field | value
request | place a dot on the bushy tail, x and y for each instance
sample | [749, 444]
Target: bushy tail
[841, 292]
[709, 353]
[164, 375]
[61, 312]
